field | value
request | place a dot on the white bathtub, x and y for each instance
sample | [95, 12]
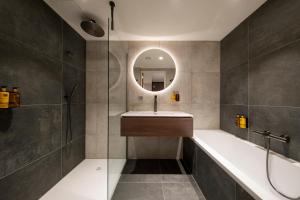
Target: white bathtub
[245, 163]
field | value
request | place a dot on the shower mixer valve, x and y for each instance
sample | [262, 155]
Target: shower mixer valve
[268, 134]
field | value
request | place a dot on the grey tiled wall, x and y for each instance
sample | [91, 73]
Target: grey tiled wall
[260, 70]
[43, 56]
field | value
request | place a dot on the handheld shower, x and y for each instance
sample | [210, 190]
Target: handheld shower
[68, 98]
[282, 138]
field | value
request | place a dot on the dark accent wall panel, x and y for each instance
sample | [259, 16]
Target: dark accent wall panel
[274, 77]
[234, 47]
[260, 70]
[33, 181]
[189, 151]
[39, 76]
[72, 154]
[33, 131]
[45, 57]
[34, 24]
[280, 120]
[273, 26]
[227, 121]
[214, 182]
[72, 49]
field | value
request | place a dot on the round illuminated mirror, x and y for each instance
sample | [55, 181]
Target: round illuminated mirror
[154, 70]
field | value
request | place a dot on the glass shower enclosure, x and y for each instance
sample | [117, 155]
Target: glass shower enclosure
[117, 94]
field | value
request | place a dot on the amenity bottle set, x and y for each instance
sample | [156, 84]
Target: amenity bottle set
[9, 98]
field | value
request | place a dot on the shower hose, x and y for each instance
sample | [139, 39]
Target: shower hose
[69, 123]
[268, 141]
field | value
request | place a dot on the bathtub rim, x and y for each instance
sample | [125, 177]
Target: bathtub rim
[237, 175]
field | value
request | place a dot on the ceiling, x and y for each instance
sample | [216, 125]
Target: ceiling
[201, 20]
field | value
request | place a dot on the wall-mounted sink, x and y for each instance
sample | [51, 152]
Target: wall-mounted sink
[156, 114]
[161, 123]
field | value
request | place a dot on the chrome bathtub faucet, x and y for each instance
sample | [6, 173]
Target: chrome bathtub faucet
[268, 134]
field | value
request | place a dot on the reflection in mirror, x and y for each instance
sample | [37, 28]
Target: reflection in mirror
[154, 70]
[114, 70]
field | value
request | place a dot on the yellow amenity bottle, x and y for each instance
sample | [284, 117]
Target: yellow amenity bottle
[4, 97]
[173, 96]
[243, 122]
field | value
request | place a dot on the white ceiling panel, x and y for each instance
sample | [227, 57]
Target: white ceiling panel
[201, 20]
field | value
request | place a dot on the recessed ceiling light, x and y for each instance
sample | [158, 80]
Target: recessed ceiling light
[160, 58]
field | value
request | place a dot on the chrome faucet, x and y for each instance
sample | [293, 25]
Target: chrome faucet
[155, 103]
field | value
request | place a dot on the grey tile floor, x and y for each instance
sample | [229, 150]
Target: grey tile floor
[157, 187]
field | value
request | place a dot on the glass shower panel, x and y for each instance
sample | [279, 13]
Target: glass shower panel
[97, 113]
[117, 105]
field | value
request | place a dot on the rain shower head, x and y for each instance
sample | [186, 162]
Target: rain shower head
[92, 28]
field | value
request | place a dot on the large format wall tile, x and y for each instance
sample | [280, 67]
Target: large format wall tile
[273, 74]
[203, 94]
[206, 56]
[189, 155]
[31, 50]
[274, 25]
[73, 47]
[234, 85]
[274, 78]
[279, 120]
[241, 194]
[32, 132]
[32, 22]
[39, 78]
[77, 122]
[73, 78]
[234, 47]
[73, 154]
[145, 191]
[179, 191]
[205, 115]
[213, 181]
[32, 181]
[227, 119]
[143, 148]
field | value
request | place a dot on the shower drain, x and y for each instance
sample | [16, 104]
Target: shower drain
[98, 168]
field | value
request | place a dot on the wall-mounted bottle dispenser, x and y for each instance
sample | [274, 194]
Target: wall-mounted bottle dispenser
[241, 121]
[14, 98]
[4, 97]
[9, 99]
[175, 96]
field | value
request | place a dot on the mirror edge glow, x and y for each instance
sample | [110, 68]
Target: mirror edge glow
[148, 91]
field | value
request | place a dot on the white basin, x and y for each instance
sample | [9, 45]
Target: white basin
[156, 114]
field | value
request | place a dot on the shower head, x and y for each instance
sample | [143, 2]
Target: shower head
[92, 28]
